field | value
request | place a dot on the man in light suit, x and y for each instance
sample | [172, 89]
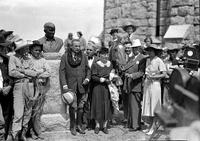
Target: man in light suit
[134, 71]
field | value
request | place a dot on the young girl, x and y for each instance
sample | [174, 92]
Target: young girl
[101, 103]
[155, 70]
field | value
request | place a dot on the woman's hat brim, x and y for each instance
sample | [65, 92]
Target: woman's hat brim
[126, 26]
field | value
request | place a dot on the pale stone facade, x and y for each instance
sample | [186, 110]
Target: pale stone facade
[152, 17]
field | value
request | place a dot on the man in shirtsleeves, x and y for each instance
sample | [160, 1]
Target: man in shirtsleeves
[19, 69]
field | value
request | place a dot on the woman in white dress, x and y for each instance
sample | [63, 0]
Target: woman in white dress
[155, 70]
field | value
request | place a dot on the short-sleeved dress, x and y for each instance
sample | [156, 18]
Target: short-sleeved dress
[101, 103]
[152, 88]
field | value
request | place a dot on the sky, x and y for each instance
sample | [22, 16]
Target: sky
[27, 17]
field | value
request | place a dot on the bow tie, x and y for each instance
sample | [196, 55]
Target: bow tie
[90, 58]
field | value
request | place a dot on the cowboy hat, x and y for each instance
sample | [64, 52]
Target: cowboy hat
[6, 33]
[3, 41]
[20, 44]
[129, 25]
[113, 31]
[14, 38]
[136, 43]
[69, 96]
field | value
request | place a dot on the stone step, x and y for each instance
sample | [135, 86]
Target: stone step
[54, 122]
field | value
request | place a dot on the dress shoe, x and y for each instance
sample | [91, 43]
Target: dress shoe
[145, 130]
[134, 129]
[96, 130]
[105, 130]
[23, 135]
[73, 131]
[151, 131]
[10, 138]
[80, 130]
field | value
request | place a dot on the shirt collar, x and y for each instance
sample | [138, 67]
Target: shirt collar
[47, 39]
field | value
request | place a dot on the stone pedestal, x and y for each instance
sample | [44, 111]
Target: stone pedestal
[55, 115]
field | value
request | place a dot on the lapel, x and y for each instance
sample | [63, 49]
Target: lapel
[132, 62]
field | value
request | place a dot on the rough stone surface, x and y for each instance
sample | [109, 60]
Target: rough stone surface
[53, 102]
[177, 20]
[143, 14]
[54, 122]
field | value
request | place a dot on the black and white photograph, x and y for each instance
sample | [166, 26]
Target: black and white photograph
[99, 70]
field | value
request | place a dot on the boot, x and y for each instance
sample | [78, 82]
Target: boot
[72, 121]
[79, 120]
[23, 134]
[10, 137]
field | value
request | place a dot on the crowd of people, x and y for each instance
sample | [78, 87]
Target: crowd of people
[96, 81]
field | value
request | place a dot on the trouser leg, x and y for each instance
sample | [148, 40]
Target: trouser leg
[18, 108]
[7, 109]
[72, 117]
[79, 116]
[125, 105]
[134, 110]
[2, 123]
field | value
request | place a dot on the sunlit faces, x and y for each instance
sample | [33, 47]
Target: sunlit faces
[50, 32]
[76, 47]
[36, 51]
[129, 30]
[90, 49]
[128, 49]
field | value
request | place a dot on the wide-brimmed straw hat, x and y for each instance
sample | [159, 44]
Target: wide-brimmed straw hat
[129, 25]
[153, 46]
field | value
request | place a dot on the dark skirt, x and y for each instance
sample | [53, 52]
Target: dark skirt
[101, 103]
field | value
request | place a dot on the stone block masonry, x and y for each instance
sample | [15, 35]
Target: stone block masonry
[144, 13]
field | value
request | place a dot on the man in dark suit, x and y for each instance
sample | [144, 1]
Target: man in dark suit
[134, 71]
[6, 95]
[74, 74]
[91, 52]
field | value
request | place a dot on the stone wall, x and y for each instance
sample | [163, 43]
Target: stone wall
[143, 14]
[186, 12]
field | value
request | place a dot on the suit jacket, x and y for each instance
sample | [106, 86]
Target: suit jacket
[7, 80]
[136, 67]
[74, 76]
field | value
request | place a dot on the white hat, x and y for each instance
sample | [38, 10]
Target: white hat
[136, 43]
[21, 44]
[69, 96]
[95, 41]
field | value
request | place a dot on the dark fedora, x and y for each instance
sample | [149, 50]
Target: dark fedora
[103, 50]
[3, 41]
[5, 33]
[112, 31]
[36, 43]
[129, 25]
